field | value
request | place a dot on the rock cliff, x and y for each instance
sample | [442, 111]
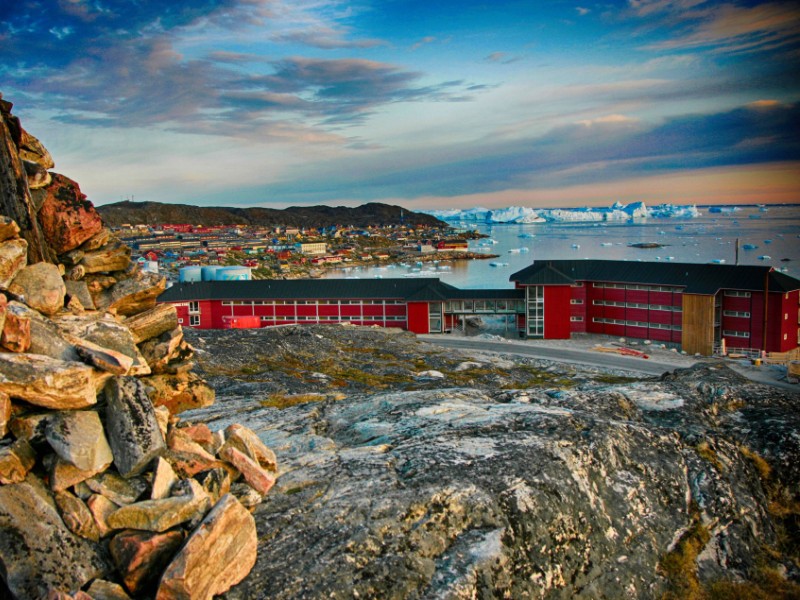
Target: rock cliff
[104, 492]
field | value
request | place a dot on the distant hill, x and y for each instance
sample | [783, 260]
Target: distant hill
[157, 213]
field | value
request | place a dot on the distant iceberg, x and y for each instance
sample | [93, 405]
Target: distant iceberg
[521, 214]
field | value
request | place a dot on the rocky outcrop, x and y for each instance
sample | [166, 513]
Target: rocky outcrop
[90, 502]
[505, 478]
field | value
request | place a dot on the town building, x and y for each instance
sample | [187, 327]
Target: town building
[695, 307]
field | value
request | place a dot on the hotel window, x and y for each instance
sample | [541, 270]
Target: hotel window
[194, 320]
[576, 301]
[576, 319]
[731, 333]
[194, 306]
[736, 313]
[737, 294]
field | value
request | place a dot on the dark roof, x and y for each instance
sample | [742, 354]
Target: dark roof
[412, 289]
[694, 278]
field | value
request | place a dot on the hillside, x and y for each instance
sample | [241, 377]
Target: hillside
[156, 213]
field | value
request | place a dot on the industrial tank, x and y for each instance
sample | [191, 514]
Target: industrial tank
[189, 274]
[209, 272]
[233, 274]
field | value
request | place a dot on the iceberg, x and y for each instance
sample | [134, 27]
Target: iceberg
[617, 212]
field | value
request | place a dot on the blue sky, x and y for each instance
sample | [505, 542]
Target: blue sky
[423, 104]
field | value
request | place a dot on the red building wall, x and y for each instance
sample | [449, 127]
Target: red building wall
[557, 312]
[418, 317]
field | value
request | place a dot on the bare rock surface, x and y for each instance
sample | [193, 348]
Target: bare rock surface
[46, 381]
[529, 479]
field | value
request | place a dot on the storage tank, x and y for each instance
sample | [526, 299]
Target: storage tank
[208, 273]
[233, 274]
[189, 274]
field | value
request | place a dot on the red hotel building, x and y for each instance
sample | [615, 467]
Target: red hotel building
[691, 305]
[694, 305]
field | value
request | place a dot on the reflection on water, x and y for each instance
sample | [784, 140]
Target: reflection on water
[765, 238]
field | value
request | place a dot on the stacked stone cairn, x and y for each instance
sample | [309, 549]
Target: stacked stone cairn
[104, 492]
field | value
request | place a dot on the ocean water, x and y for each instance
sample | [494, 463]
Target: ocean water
[773, 234]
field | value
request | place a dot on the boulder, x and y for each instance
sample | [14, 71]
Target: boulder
[103, 333]
[101, 508]
[168, 353]
[107, 590]
[16, 335]
[45, 337]
[79, 290]
[8, 228]
[3, 305]
[153, 322]
[259, 479]
[142, 556]
[47, 382]
[131, 296]
[119, 490]
[216, 483]
[37, 550]
[77, 516]
[38, 177]
[31, 149]
[5, 414]
[115, 256]
[218, 554]
[97, 241]
[13, 258]
[102, 358]
[63, 474]
[30, 426]
[164, 478]
[179, 392]
[132, 425]
[247, 442]
[16, 460]
[66, 217]
[158, 515]
[77, 436]
[41, 287]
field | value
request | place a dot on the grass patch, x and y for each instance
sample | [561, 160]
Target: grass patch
[611, 379]
[680, 565]
[282, 401]
[766, 584]
[706, 452]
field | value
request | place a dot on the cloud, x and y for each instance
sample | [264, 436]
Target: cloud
[725, 27]
[607, 149]
[428, 39]
[501, 58]
[325, 38]
[145, 64]
[582, 11]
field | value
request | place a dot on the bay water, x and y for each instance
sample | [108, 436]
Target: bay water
[766, 235]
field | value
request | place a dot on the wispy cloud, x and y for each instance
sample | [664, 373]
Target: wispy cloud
[127, 70]
[604, 149]
[725, 26]
[501, 58]
[326, 38]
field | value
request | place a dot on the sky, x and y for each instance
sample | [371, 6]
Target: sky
[426, 104]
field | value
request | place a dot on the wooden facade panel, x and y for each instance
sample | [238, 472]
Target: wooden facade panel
[698, 324]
